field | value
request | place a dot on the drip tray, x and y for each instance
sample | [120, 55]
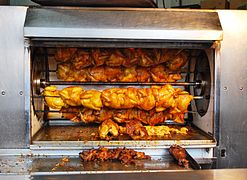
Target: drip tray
[53, 165]
[75, 165]
[85, 137]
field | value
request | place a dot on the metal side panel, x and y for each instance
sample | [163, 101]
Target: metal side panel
[233, 91]
[13, 129]
[145, 24]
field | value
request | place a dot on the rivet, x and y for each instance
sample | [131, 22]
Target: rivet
[21, 93]
[225, 88]
[241, 88]
[3, 93]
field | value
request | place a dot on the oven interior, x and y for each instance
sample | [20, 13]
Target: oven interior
[51, 130]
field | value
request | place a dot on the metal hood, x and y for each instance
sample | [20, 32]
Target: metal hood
[110, 23]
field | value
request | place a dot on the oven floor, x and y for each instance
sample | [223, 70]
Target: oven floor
[86, 136]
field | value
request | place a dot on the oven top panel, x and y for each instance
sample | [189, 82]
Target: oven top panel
[122, 23]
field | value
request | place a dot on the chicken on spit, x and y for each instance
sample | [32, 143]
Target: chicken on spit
[159, 97]
[121, 57]
[53, 98]
[160, 73]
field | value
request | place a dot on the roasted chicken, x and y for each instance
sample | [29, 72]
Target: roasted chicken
[91, 99]
[159, 97]
[108, 129]
[159, 73]
[86, 115]
[53, 98]
[124, 155]
[127, 57]
[72, 95]
[64, 54]
[180, 155]
[164, 130]
[135, 129]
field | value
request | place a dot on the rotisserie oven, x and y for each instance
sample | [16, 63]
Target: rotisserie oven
[126, 81]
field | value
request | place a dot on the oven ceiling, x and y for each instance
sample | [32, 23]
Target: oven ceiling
[128, 24]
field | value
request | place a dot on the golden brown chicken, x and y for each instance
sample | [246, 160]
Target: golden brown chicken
[67, 72]
[148, 57]
[97, 74]
[145, 99]
[108, 130]
[82, 59]
[178, 61]
[120, 98]
[160, 98]
[179, 154]
[124, 155]
[64, 54]
[164, 130]
[86, 115]
[53, 98]
[72, 95]
[160, 74]
[164, 97]
[116, 58]
[113, 73]
[136, 130]
[127, 57]
[143, 74]
[182, 101]
[128, 75]
[71, 113]
[99, 56]
[130, 57]
[91, 99]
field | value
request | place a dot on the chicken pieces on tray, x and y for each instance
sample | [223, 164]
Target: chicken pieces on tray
[124, 155]
[133, 128]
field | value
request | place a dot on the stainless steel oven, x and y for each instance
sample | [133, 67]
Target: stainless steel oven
[48, 134]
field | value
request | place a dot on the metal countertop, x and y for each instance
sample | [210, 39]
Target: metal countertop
[239, 174]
